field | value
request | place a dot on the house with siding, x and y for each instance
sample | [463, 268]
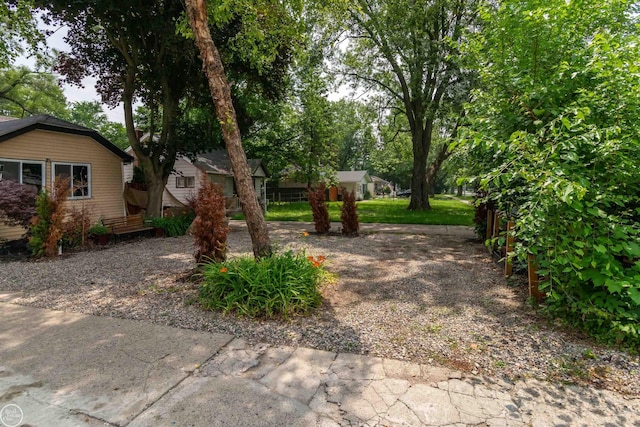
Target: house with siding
[358, 182]
[188, 174]
[35, 150]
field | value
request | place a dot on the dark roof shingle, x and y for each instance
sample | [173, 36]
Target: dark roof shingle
[12, 128]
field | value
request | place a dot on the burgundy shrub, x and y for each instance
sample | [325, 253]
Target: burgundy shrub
[349, 213]
[210, 226]
[320, 210]
[17, 203]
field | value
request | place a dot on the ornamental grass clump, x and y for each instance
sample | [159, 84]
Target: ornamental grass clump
[320, 210]
[349, 213]
[210, 225]
[280, 285]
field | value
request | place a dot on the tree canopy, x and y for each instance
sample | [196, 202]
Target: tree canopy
[411, 52]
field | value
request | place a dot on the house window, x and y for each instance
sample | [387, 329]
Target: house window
[79, 178]
[185, 181]
[24, 172]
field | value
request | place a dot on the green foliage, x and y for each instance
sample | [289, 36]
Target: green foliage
[17, 24]
[278, 285]
[411, 54]
[98, 230]
[39, 230]
[174, 225]
[556, 140]
[24, 92]
[91, 115]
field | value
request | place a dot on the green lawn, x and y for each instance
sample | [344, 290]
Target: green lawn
[446, 210]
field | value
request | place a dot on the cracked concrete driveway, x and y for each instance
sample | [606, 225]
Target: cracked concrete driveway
[65, 369]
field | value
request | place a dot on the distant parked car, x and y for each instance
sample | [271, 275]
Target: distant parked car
[404, 193]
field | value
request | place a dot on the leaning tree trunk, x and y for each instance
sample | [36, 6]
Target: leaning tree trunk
[221, 94]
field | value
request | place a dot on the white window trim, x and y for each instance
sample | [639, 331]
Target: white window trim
[21, 161]
[186, 181]
[89, 183]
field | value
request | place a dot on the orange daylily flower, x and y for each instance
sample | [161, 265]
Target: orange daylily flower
[224, 270]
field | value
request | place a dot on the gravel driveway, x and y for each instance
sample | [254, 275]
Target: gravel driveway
[434, 298]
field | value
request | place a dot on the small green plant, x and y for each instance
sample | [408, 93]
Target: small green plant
[174, 225]
[98, 230]
[277, 285]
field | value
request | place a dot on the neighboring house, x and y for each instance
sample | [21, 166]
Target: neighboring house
[186, 179]
[35, 150]
[381, 186]
[357, 181]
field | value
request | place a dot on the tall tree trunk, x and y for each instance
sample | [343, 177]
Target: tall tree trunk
[419, 189]
[430, 177]
[221, 94]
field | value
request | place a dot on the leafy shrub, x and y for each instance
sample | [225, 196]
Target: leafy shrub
[559, 150]
[320, 210]
[349, 213]
[47, 228]
[210, 225]
[76, 227]
[174, 225]
[98, 230]
[17, 203]
[482, 204]
[276, 285]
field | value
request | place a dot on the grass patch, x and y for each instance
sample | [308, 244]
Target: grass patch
[446, 210]
[280, 285]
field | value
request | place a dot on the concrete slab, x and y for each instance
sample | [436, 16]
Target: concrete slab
[110, 369]
[225, 401]
[301, 374]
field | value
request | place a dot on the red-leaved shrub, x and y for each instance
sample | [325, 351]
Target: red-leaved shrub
[210, 226]
[349, 213]
[17, 203]
[320, 209]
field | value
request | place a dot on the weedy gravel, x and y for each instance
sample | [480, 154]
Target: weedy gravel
[428, 298]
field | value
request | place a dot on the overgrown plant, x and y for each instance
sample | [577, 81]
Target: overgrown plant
[17, 203]
[76, 227]
[557, 143]
[47, 227]
[349, 213]
[210, 225]
[320, 210]
[277, 285]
